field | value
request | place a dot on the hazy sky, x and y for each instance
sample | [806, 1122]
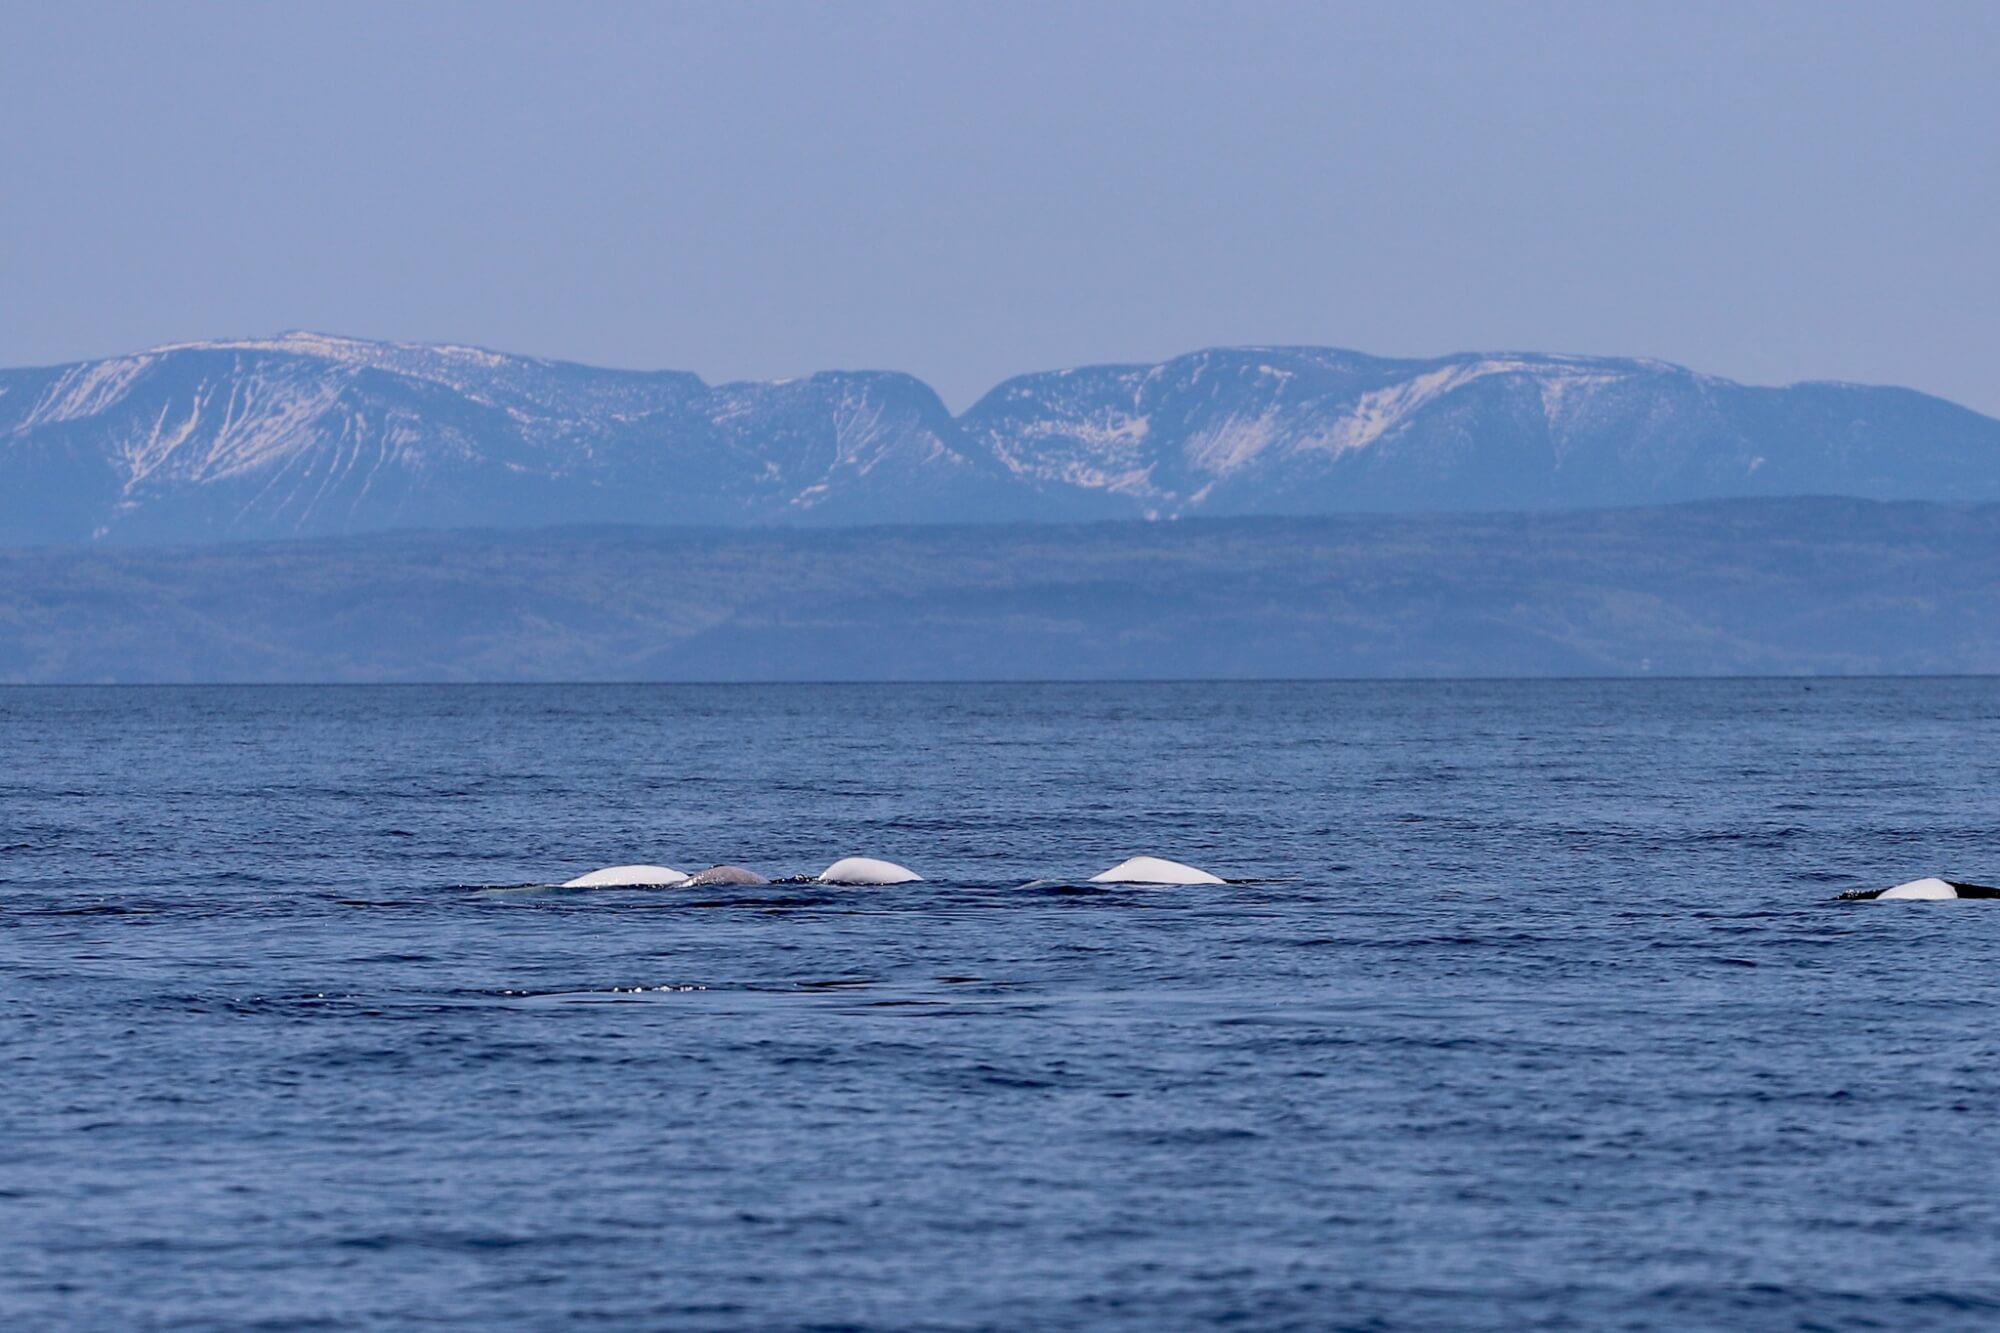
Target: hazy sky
[1770, 191]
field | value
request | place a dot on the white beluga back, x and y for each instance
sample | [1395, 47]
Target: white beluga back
[628, 877]
[1930, 890]
[867, 870]
[1920, 888]
[1154, 870]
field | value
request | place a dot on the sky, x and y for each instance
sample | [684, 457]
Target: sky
[1770, 191]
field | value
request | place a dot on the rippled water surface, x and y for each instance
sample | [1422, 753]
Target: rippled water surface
[1532, 1008]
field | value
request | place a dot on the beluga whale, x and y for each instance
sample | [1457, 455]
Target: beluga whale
[628, 877]
[867, 870]
[725, 875]
[1154, 870]
[1922, 890]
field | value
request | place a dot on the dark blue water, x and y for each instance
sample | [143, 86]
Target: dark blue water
[1540, 1014]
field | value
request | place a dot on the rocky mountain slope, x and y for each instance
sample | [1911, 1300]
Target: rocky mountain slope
[306, 435]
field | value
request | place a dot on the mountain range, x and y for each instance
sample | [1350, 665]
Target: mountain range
[304, 435]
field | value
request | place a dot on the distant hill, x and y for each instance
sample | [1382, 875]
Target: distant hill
[1724, 587]
[305, 435]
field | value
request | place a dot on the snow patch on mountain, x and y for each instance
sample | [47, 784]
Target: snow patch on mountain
[1384, 411]
[1232, 445]
[423, 360]
[1565, 394]
[1105, 449]
[85, 390]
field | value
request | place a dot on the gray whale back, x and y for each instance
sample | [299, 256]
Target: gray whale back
[725, 875]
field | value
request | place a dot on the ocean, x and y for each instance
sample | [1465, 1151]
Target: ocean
[1528, 1005]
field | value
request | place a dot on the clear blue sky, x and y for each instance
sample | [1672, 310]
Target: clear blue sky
[1771, 191]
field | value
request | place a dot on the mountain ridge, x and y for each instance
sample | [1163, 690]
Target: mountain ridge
[304, 434]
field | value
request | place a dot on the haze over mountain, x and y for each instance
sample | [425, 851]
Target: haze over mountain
[305, 435]
[1783, 586]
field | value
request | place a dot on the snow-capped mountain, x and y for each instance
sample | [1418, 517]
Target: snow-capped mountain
[310, 435]
[306, 435]
[1318, 430]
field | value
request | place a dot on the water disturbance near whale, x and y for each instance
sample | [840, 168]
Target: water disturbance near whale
[1925, 890]
[1154, 870]
[626, 877]
[867, 870]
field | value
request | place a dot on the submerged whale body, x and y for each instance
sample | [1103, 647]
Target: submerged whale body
[624, 877]
[1921, 890]
[867, 870]
[725, 875]
[1154, 870]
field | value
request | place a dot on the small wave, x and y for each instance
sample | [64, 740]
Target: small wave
[1186, 1138]
[667, 989]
